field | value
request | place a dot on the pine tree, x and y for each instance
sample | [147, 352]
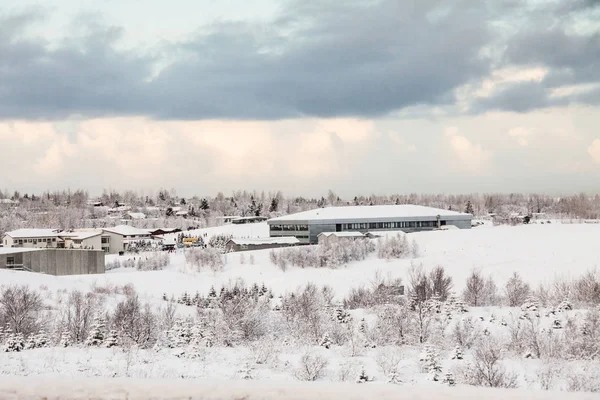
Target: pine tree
[457, 354]
[430, 359]
[449, 379]
[112, 340]
[41, 340]
[65, 339]
[362, 377]
[30, 344]
[565, 305]
[326, 341]
[394, 377]
[531, 304]
[212, 293]
[96, 335]
[14, 342]
[164, 297]
[469, 208]
[246, 371]
[342, 316]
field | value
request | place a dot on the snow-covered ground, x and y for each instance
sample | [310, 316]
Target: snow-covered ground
[540, 253]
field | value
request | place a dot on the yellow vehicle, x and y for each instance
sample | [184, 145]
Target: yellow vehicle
[188, 242]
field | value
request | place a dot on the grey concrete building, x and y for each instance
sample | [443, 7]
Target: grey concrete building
[53, 261]
[307, 225]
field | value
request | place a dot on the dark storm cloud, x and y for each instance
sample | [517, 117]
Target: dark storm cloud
[549, 41]
[353, 58]
[322, 59]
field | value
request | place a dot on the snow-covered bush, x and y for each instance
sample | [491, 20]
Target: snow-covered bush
[219, 242]
[21, 308]
[388, 358]
[14, 342]
[487, 369]
[429, 359]
[97, 334]
[76, 314]
[135, 323]
[312, 367]
[516, 290]
[209, 257]
[363, 377]
[329, 255]
[393, 247]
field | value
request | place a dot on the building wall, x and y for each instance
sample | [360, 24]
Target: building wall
[59, 261]
[317, 227]
[116, 242]
[236, 247]
[93, 243]
[10, 242]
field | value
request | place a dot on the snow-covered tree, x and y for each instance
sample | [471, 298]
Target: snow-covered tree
[96, 335]
[41, 339]
[14, 342]
[430, 361]
[530, 305]
[112, 340]
[457, 353]
[65, 339]
[564, 305]
[326, 341]
[30, 343]
[342, 316]
[449, 379]
[246, 372]
[362, 377]
[556, 324]
[394, 377]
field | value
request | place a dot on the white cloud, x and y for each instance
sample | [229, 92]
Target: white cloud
[472, 157]
[594, 150]
[521, 134]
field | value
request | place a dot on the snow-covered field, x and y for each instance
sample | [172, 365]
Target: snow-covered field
[539, 253]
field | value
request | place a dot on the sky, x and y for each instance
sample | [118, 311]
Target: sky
[357, 96]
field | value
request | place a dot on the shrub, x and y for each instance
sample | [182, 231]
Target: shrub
[20, 308]
[516, 290]
[486, 368]
[311, 367]
[393, 247]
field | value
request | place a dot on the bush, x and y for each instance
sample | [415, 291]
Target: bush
[20, 308]
[311, 367]
[393, 247]
[486, 368]
[322, 256]
[135, 323]
[516, 290]
[201, 258]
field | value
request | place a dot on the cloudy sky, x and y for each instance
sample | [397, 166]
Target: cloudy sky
[360, 96]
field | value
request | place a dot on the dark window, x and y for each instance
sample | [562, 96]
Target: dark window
[10, 261]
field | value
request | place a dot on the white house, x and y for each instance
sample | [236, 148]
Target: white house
[83, 239]
[327, 238]
[32, 238]
[115, 239]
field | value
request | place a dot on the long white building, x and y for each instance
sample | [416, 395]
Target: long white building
[307, 225]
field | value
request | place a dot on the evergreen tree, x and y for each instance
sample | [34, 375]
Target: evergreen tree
[41, 340]
[449, 379]
[394, 377]
[65, 339]
[469, 208]
[30, 344]
[274, 205]
[430, 360]
[362, 377]
[325, 341]
[457, 353]
[204, 204]
[246, 371]
[96, 335]
[112, 340]
[14, 342]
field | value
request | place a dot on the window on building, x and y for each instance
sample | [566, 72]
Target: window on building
[105, 240]
[10, 261]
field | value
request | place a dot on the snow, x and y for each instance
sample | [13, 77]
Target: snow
[343, 234]
[274, 240]
[82, 234]
[23, 388]
[33, 233]
[126, 230]
[12, 250]
[364, 212]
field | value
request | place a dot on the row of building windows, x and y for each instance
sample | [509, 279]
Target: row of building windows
[35, 241]
[289, 227]
[391, 225]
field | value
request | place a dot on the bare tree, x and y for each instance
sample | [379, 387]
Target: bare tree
[475, 289]
[20, 308]
[78, 313]
[441, 284]
[135, 322]
[311, 368]
[487, 368]
[516, 290]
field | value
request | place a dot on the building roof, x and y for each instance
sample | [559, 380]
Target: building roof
[371, 212]
[136, 215]
[126, 230]
[82, 234]
[342, 234]
[273, 240]
[13, 250]
[33, 233]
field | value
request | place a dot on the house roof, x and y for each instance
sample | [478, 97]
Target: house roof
[342, 234]
[370, 212]
[136, 215]
[33, 233]
[82, 235]
[13, 250]
[126, 230]
[273, 240]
